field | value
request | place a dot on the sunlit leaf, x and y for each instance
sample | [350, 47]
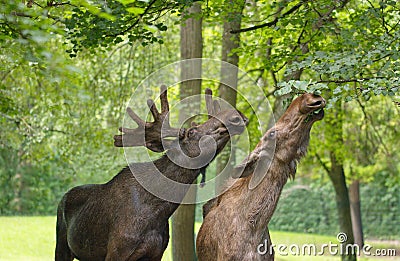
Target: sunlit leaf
[135, 10]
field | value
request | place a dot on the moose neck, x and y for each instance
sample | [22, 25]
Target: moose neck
[179, 174]
[260, 202]
[175, 172]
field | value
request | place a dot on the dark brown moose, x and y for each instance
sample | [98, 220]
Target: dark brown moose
[235, 225]
[121, 220]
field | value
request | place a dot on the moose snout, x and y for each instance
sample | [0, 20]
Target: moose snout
[236, 123]
[238, 120]
[311, 103]
[317, 102]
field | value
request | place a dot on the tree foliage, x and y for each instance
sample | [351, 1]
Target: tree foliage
[58, 114]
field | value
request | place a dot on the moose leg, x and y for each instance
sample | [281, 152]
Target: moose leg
[128, 252]
[118, 256]
[123, 249]
[63, 253]
[146, 258]
[156, 258]
[138, 255]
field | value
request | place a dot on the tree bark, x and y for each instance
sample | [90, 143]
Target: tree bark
[338, 178]
[183, 247]
[19, 182]
[355, 207]
[229, 73]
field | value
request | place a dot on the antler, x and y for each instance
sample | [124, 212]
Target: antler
[213, 106]
[149, 134]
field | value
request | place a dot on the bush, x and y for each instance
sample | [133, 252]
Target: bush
[313, 210]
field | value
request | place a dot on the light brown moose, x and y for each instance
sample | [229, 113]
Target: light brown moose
[120, 220]
[235, 225]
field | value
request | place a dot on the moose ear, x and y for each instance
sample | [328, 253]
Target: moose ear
[256, 164]
[241, 171]
[261, 169]
[245, 168]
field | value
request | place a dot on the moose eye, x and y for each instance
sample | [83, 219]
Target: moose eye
[191, 132]
[272, 134]
[235, 120]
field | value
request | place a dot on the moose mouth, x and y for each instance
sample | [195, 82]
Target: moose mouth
[223, 134]
[316, 109]
[231, 129]
[316, 114]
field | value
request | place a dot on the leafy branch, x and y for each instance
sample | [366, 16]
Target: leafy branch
[137, 20]
[272, 23]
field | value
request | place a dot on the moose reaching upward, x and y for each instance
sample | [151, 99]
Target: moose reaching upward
[121, 220]
[235, 223]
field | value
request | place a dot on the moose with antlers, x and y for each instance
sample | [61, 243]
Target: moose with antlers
[121, 220]
[235, 224]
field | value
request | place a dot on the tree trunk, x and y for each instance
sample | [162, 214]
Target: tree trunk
[338, 179]
[229, 73]
[183, 247]
[19, 183]
[355, 207]
[337, 176]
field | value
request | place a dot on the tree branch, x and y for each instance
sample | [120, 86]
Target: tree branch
[272, 23]
[351, 80]
[370, 119]
[137, 20]
[323, 164]
[57, 130]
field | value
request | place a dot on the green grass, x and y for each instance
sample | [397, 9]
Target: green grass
[27, 238]
[33, 238]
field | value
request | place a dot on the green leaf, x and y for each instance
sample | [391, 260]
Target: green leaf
[348, 98]
[337, 90]
[135, 10]
[300, 85]
[107, 16]
[151, 28]
[317, 92]
[126, 2]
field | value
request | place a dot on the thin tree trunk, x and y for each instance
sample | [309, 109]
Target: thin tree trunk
[183, 247]
[19, 183]
[229, 72]
[338, 178]
[355, 206]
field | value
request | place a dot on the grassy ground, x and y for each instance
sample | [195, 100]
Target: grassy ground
[27, 238]
[33, 238]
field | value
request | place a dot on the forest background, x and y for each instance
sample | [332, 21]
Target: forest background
[68, 69]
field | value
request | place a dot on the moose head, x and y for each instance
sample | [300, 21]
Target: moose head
[193, 147]
[287, 141]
